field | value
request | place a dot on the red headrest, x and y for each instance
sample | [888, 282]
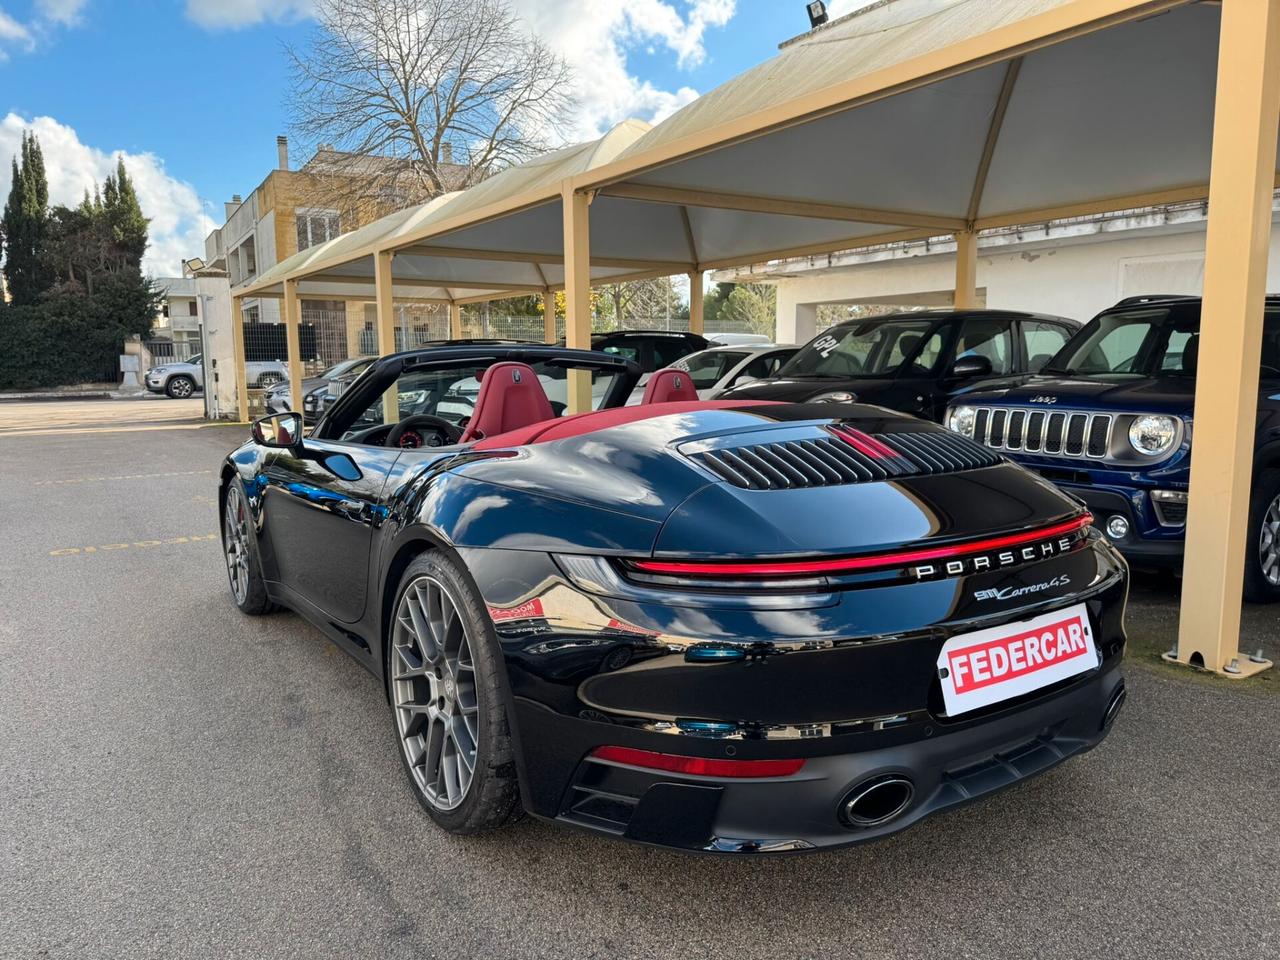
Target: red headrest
[510, 398]
[667, 386]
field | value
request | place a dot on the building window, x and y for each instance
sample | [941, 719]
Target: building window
[191, 309]
[317, 226]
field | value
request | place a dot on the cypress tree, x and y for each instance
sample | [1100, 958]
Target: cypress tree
[24, 225]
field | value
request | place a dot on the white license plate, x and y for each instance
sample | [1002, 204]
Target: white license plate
[987, 666]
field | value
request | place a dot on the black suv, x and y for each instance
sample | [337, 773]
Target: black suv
[1109, 419]
[913, 362]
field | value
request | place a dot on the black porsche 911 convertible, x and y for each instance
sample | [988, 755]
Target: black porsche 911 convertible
[734, 626]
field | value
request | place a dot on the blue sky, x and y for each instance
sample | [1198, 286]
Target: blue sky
[192, 91]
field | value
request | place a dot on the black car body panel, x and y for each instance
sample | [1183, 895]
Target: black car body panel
[919, 380]
[1148, 492]
[836, 669]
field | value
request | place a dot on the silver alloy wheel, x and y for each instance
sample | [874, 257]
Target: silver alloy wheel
[236, 543]
[181, 387]
[1269, 543]
[434, 692]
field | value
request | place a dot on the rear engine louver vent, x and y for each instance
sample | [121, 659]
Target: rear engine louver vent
[845, 457]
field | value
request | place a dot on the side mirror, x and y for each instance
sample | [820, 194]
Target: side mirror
[743, 379]
[971, 367]
[281, 430]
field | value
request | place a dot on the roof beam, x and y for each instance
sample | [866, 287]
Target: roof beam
[688, 235]
[779, 206]
[438, 284]
[993, 137]
[488, 297]
[516, 256]
[817, 249]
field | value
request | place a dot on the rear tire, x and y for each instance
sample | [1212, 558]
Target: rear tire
[448, 705]
[1262, 561]
[240, 550]
[180, 387]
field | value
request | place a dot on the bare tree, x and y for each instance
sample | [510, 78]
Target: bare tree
[413, 98]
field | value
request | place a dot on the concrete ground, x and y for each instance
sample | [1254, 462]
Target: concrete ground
[177, 780]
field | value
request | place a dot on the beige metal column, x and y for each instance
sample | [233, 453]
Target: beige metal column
[549, 317]
[577, 291]
[237, 346]
[292, 310]
[455, 320]
[1242, 178]
[695, 302]
[966, 292]
[384, 295]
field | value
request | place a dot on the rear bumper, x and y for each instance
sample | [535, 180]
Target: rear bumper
[803, 812]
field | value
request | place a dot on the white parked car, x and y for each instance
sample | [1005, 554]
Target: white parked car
[740, 339]
[719, 368]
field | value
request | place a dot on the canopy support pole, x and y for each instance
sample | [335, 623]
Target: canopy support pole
[385, 299]
[577, 287]
[237, 346]
[695, 302]
[455, 320]
[549, 317]
[966, 292]
[1242, 177]
[292, 311]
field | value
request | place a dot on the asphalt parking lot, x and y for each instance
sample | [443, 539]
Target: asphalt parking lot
[177, 780]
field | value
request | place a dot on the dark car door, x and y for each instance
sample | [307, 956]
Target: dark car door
[991, 337]
[320, 507]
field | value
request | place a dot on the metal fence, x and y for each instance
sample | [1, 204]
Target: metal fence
[170, 351]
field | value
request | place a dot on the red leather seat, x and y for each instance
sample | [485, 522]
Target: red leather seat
[669, 386]
[510, 397]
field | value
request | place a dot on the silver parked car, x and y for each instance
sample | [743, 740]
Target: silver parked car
[277, 398]
[181, 379]
[719, 368]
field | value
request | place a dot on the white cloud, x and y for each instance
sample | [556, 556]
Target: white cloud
[13, 34]
[233, 14]
[838, 8]
[66, 12]
[594, 36]
[179, 223]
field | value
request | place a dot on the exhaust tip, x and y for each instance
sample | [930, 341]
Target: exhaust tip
[877, 801]
[1113, 708]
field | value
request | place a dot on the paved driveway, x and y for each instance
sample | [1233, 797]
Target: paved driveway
[177, 780]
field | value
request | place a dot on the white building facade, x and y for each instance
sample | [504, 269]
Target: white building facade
[1073, 268]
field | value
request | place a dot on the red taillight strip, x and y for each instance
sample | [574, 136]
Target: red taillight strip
[697, 766]
[866, 444]
[717, 568]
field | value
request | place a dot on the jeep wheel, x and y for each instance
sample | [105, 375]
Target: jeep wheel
[1262, 563]
[180, 387]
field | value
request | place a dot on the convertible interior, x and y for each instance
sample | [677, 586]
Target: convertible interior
[507, 404]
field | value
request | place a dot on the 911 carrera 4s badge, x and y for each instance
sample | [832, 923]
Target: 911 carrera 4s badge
[985, 667]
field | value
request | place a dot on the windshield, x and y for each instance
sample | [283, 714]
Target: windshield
[1159, 342]
[874, 348]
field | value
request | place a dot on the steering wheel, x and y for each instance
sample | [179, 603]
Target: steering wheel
[423, 430]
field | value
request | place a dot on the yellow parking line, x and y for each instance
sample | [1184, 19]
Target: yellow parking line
[123, 476]
[134, 545]
[74, 431]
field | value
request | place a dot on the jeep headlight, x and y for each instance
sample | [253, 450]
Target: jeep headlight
[1153, 435]
[961, 419]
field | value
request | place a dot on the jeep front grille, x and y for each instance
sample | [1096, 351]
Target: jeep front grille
[1060, 433]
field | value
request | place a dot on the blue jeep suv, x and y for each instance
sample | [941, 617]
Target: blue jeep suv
[1110, 420]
